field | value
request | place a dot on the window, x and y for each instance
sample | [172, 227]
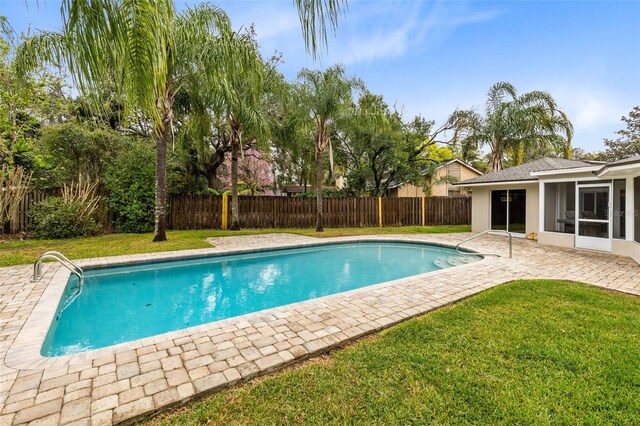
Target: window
[508, 210]
[560, 207]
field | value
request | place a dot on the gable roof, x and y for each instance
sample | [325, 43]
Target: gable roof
[423, 171]
[457, 160]
[523, 172]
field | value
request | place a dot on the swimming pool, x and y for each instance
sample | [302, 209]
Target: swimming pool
[126, 303]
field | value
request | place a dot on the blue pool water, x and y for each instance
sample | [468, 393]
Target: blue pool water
[125, 303]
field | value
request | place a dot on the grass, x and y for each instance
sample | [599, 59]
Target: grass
[18, 252]
[528, 352]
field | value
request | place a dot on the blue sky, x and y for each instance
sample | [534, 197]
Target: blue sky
[430, 57]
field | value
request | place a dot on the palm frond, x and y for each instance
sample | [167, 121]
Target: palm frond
[316, 16]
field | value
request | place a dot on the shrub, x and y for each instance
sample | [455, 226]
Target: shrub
[55, 218]
[130, 181]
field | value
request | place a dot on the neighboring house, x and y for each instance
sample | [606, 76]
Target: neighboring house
[568, 203]
[446, 174]
[291, 190]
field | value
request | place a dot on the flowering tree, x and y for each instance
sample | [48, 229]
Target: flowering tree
[254, 172]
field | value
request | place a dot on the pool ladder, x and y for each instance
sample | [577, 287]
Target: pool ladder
[62, 259]
[486, 254]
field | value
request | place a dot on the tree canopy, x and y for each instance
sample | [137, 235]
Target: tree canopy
[520, 127]
[628, 142]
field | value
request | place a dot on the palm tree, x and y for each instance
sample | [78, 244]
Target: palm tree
[147, 49]
[326, 96]
[513, 125]
[241, 114]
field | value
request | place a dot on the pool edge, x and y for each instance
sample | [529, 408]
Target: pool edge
[24, 353]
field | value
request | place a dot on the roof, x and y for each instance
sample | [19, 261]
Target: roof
[441, 165]
[630, 160]
[624, 167]
[523, 172]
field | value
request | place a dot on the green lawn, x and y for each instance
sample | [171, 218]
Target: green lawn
[15, 252]
[529, 352]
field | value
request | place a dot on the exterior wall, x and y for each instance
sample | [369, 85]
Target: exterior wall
[626, 248]
[408, 190]
[467, 173]
[481, 206]
[557, 239]
[480, 209]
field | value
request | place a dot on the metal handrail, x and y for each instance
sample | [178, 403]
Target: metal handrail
[489, 231]
[75, 269]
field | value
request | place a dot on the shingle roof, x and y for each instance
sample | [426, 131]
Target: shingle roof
[523, 172]
[634, 159]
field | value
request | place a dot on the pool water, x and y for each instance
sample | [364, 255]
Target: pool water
[125, 303]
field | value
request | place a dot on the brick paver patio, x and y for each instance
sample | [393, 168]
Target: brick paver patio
[120, 383]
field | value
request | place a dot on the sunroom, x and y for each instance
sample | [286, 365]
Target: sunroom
[593, 207]
[569, 203]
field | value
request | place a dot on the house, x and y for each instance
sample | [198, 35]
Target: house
[446, 174]
[568, 203]
[293, 190]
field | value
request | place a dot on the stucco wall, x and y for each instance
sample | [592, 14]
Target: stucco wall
[481, 206]
[626, 248]
[557, 239]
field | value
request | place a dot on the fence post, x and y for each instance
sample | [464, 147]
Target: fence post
[225, 209]
[422, 210]
[380, 212]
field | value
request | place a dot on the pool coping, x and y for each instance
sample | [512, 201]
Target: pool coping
[24, 353]
[123, 387]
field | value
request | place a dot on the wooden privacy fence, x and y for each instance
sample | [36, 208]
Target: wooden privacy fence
[21, 221]
[206, 212]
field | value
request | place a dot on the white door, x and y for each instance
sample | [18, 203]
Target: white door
[593, 204]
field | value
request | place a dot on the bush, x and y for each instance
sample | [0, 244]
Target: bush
[55, 218]
[130, 181]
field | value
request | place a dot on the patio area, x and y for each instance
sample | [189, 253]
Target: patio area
[110, 386]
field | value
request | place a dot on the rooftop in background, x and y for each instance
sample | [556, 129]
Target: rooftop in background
[440, 166]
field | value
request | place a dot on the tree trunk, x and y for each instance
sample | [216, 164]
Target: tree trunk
[319, 166]
[520, 154]
[212, 167]
[235, 152]
[162, 138]
[496, 161]
[160, 232]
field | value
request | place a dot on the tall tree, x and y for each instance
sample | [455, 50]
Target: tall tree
[241, 114]
[25, 105]
[327, 96]
[513, 125]
[147, 49]
[628, 144]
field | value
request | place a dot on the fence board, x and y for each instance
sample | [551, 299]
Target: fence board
[205, 211]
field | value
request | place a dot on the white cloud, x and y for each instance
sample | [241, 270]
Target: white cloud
[593, 110]
[392, 32]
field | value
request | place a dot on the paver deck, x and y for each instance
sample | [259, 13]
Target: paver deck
[120, 383]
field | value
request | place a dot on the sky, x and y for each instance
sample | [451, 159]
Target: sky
[431, 57]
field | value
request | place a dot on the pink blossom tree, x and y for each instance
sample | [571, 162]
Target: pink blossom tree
[254, 173]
